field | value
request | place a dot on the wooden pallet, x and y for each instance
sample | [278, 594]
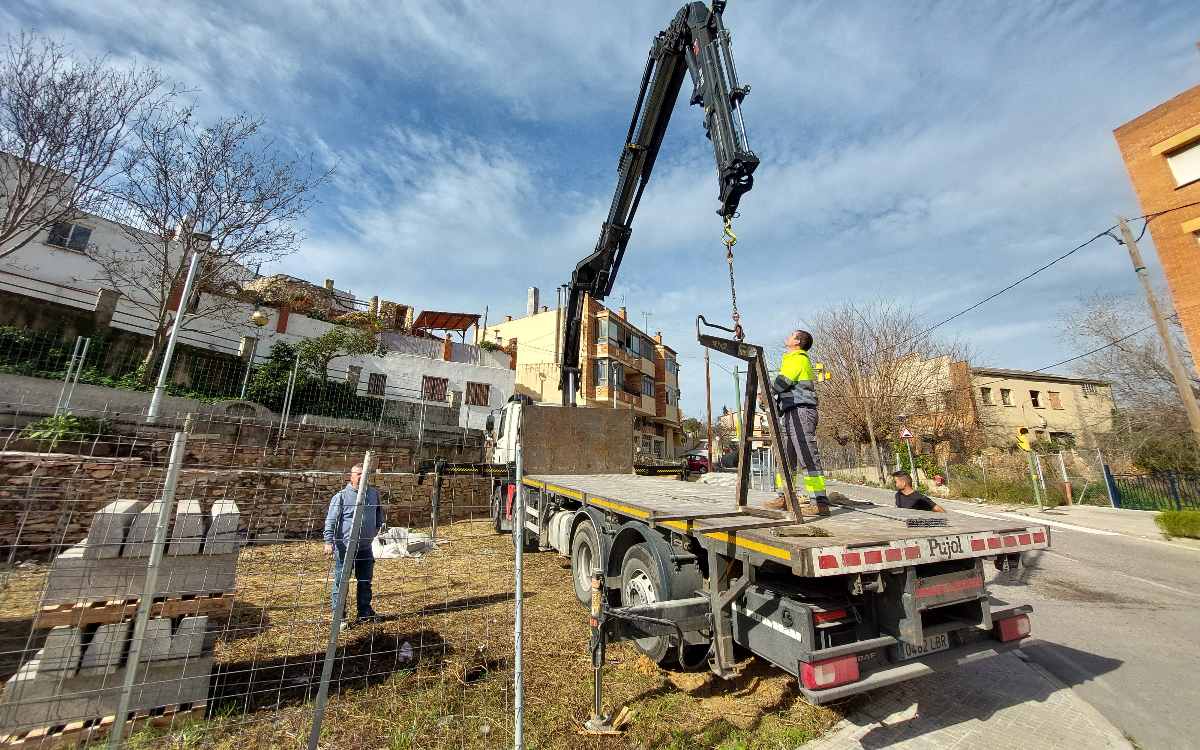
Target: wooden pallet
[78, 733]
[87, 613]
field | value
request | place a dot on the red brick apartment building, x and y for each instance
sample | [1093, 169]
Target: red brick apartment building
[1161, 149]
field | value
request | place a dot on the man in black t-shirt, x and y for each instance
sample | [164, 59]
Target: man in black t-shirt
[908, 497]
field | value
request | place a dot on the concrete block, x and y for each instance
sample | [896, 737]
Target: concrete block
[140, 538]
[188, 533]
[188, 641]
[156, 641]
[62, 650]
[222, 536]
[74, 578]
[104, 653]
[109, 527]
[31, 700]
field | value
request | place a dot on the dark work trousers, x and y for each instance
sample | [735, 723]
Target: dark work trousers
[800, 445]
[364, 570]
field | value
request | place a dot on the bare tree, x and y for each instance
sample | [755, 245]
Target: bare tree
[1151, 426]
[63, 126]
[882, 364]
[183, 184]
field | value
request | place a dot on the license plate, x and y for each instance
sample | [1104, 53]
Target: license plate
[932, 644]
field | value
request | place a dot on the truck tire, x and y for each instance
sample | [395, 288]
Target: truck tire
[498, 509]
[585, 561]
[641, 583]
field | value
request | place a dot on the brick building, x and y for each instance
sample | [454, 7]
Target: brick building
[1161, 149]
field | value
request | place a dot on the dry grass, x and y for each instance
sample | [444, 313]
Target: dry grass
[454, 611]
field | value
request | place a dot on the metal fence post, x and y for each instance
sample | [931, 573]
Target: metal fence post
[1173, 484]
[165, 508]
[339, 601]
[168, 353]
[87, 343]
[518, 530]
[1114, 494]
[67, 378]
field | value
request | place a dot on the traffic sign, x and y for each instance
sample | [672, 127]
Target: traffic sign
[905, 433]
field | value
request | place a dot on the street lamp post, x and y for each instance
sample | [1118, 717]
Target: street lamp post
[258, 318]
[184, 299]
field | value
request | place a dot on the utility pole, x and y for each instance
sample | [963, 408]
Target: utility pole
[1181, 380]
[866, 406]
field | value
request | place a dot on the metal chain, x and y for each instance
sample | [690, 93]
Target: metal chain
[730, 239]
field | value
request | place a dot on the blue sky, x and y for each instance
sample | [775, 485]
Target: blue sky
[928, 154]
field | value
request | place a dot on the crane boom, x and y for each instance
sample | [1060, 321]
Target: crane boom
[695, 41]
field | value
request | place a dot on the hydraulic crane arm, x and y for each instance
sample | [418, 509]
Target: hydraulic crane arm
[695, 41]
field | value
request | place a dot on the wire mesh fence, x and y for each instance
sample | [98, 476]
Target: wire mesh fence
[233, 644]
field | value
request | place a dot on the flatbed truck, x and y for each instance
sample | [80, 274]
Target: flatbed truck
[866, 597]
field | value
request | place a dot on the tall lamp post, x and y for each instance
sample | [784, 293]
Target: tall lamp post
[257, 318]
[201, 241]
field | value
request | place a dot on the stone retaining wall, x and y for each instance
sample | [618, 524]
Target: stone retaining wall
[47, 500]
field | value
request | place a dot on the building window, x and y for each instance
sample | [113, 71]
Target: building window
[1089, 389]
[647, 385]
[1006, 397]
[919, 405]
[600, 371]
[672, 396]
[353, 376]
[70, 236]
[433, 389]
[647, 349]
[1185, 164]
[477, 394]
[672, 366]
[1055, 400]
[376, 382]
[985, 394]
[1035, 399]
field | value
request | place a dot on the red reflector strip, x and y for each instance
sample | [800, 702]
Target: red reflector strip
[938, 589]
[912, 553]
[1039, 537]
[1023, 538]
[978, 545]
[873, 556]
[825, 562]
[892, 554]
[832, 615]
[851, 558]
[1010, 541]
[994, 543]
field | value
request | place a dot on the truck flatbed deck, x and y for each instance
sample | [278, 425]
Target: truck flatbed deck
[855, 538]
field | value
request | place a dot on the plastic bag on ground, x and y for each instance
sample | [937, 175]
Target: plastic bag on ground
[399, 541]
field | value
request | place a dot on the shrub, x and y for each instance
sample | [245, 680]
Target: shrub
[1179, 523]
[62, 427]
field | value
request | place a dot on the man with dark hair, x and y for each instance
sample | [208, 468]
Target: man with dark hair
[796, 395]
[907, 496]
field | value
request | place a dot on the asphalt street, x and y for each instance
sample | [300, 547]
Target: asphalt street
[1115, 618]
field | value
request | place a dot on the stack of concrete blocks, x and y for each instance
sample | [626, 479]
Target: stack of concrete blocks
[79, 672]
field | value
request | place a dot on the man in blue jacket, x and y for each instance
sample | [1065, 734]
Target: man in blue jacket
[339, 521]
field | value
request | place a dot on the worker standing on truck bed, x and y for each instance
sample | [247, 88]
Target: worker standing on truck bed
[796, 395]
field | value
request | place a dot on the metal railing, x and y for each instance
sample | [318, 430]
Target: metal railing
[1167, 490]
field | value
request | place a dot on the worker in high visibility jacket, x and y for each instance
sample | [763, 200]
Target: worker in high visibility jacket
[795, 393]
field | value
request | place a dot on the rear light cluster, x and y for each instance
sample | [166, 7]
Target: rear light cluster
[829, 615]
[820, 675]
[1012, 628]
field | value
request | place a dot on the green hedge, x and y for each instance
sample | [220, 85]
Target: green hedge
[1179, 523]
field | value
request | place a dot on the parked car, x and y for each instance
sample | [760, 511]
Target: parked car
[697, 463]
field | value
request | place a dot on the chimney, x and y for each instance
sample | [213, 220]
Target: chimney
[623, 313]
[658, 337]
[531, 301]
[329, 284]
[545, 309]
[507, 318]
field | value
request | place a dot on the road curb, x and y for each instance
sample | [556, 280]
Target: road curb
[1099, 718]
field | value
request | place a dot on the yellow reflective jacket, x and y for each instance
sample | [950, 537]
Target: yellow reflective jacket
[793, 386]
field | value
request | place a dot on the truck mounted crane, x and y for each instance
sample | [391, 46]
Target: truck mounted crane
[695, 40]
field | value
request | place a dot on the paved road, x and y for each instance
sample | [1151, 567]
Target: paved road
[1117, 619]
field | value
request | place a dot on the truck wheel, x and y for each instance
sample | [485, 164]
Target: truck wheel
[641, 583]
[498, 510]
[585, 561]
